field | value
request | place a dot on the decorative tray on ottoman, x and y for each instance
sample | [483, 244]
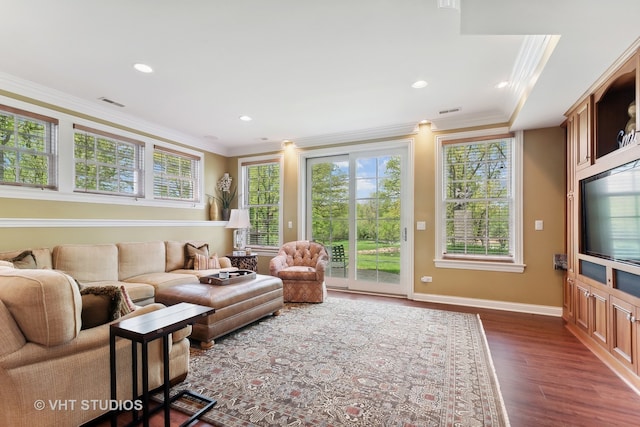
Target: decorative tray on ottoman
[234, 277]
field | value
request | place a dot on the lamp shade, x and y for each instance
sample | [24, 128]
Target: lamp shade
[239, 218]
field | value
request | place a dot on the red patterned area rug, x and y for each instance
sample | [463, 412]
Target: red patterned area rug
[355, 363]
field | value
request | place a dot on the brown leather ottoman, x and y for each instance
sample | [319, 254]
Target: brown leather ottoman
[236, 305]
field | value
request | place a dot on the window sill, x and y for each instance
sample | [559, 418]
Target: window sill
[264, 251]
[505, 267]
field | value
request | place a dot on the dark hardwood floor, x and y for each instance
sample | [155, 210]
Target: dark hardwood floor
[547, 376]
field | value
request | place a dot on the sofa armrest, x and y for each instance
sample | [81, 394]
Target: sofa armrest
[88, 340]
[276, 264]
[224, 262]
[11, 338]
[321, 266]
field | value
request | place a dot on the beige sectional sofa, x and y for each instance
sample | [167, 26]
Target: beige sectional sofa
[50, 368]
[52, 372]
[142, 267]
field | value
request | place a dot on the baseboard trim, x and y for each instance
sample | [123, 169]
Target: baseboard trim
[543, 310]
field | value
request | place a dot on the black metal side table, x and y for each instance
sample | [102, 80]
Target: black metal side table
[144, 329]
[244, 262]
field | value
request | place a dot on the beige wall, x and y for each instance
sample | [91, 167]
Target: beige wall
[219, 238]
[543, 198]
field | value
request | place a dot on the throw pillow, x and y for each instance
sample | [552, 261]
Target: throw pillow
[24, 260]
[191, 251]
[100, 305]
[200, 262]
[127, 304]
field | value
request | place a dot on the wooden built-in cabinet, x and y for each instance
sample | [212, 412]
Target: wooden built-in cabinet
[568, 299]
[580, 121]
[592, 312]
[602, 297]
[623, 333]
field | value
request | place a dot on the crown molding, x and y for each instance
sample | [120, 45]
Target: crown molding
[391, 131]
[384, 132]
[468, 121]
[31, 92]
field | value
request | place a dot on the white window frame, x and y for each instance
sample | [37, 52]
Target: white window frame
[50, 141]
[65, 166]
[480, 263]
[138, 161]
[196, 168]
[243, 192]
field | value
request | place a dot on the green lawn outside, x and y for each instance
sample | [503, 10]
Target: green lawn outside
[382, 260]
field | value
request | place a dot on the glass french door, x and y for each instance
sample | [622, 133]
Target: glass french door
[354, 207]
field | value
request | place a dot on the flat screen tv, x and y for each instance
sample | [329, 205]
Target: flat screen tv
[610, 204]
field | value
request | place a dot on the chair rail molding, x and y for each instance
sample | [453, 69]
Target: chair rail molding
[79, 223]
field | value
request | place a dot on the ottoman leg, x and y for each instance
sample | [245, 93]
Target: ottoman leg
[206, 345]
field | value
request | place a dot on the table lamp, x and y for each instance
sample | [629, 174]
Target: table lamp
[239, 219]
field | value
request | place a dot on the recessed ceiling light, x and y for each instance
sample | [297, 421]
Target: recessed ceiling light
[424, 121]
[245, 118]
[143, 68]
[502, 85]
[419, 84]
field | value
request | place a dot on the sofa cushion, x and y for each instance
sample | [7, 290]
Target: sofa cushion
[137, 258]
[298, 273]
[175, 255]
[11, 339]
[45, 304]
[87, 263]
[161, 280]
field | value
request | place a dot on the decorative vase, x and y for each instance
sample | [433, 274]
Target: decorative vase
[226, 212]
[214, 210]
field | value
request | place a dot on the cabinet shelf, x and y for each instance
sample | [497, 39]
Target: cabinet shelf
[612, 103]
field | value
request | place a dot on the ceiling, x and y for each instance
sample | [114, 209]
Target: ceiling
[311, 71]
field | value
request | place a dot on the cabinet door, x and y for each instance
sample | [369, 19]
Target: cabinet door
[568, 299]
[622, 329]
[600, 317]
[582, 135]
[581, 307]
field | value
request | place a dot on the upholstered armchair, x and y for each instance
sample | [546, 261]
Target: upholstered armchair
[301, 265]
